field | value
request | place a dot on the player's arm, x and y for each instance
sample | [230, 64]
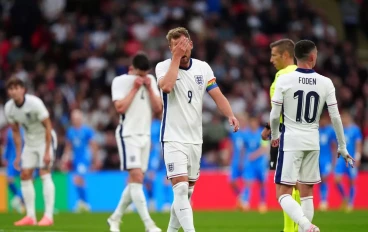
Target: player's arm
[6, 152]
[260, 151]
[333, 111]
[154, 95]
[277, 101]
[223, 105]
[167, 80]
[123, 97]
[358, 148]
[48, 128]
[17, 137]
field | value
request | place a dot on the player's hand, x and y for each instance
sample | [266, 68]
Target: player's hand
[147, 82]
[234, 122]
[17, 163]
[348, 159]
[138, 82]
[47, 158]
[180, 49]
[266, 134]
[275, 142]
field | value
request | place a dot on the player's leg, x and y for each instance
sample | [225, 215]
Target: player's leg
[248, 176]
[286, 175]
[309, 175]
[352, 173]
[48, 187]
[79, 183]
[261, 175]
[177, 161]
[325, 169]
[17, 202]
[340, 170]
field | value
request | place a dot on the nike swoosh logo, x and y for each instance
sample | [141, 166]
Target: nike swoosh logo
[178, 79]
[183, 209]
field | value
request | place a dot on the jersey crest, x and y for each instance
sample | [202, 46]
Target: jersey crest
[199, 80]
[170, 167]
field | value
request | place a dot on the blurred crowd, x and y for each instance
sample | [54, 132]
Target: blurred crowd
[68, 53]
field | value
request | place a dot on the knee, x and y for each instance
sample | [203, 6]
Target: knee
[26, 175]
[181, 189]
[136, 176]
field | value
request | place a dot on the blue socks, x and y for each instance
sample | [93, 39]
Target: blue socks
[81, 191]
[323, 190]
[15, 191]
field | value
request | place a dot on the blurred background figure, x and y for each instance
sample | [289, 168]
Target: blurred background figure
[255, 163]
[353, 136]
[328, 146]
[11, 173]
[81, 152]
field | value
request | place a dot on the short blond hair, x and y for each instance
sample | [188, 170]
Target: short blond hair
[284, 45]
[175, 33]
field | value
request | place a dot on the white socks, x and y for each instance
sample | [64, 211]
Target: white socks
[139, 200]
[29, 197]
[174, 224]
[124, 202]
[294, 210]
[307, 207]
[182, 207]
[48, 195]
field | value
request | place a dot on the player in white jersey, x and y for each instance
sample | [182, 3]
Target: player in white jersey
[30, 112]
[135, 96]
[301, 96]
[183, 82]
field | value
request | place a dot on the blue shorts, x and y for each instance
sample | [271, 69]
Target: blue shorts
[235, 172]
[11, 171]
[81, 168]
[341, 169]
[325, 167]
[256, 170]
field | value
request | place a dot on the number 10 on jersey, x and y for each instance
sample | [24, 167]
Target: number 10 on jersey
[310, 114]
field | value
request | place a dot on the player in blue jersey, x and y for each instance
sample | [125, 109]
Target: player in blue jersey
[79, 140]
[238, 147]
[255, 162]
[328, 142]
[11, 173]
[353, 136]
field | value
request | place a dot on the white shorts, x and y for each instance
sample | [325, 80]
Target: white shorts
[182, 159]
[297, 166]
[133, 151]
[32, 157]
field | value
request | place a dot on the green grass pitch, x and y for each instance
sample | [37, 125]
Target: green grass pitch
[204, 222]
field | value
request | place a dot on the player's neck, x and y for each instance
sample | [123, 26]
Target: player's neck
[20, 102]
[288, 63]
[305, 65]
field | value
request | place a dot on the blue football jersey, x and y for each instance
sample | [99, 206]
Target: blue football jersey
[9, 149]
[80, 139]
[352, 135]
[326, 138]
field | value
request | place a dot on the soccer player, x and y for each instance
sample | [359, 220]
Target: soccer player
[79, 145]
[136, 98]
[30, 112]
[255, 163]
[353, 137]
[282, 57]
[301, 96]
[236, 167]
[183, 82]
[11, 173]
[327, 140]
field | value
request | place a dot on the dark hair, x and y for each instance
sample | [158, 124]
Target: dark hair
[141, 62]
[284, 45]
[303, 48]
[14, 81]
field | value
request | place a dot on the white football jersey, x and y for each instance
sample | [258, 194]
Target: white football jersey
[30, 116]
[182, 114]
[137, 119]
[303, 94]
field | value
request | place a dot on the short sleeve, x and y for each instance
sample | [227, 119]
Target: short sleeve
[278, 98]
[161, 70]
[154, 85]
[42, 112]
[331, 97]
[210, 78]
[120, 87]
